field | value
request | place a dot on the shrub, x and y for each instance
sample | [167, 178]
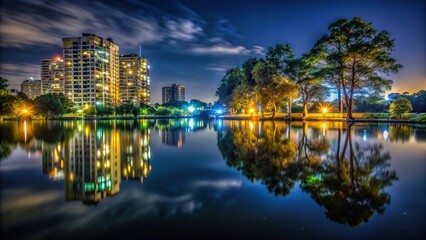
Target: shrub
[400, 106]
[421, 117]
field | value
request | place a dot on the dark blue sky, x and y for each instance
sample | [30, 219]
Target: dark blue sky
[193, 42]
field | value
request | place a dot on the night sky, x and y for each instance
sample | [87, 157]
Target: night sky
[193, 43]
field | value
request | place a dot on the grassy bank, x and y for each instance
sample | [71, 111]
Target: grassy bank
[358, 117]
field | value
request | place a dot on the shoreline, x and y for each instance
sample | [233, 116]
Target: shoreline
[228, 117]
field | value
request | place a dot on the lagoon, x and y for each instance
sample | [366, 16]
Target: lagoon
[212, 179]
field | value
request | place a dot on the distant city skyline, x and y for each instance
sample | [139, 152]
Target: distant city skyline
[195, 42]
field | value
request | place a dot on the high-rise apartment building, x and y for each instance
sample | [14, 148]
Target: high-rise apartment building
[166, 93]
[91, 70]
[32, 88]
[52, 76]
[178, 92]
[174, 92]
[134, 80]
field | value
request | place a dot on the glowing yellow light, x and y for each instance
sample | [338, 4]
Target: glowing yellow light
[71, 176]
[324, 127]
[251, 110]
[324, 110]
[58, 58]
[25, 111]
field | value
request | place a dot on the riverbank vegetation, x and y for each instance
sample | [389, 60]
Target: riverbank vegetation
[346, 71]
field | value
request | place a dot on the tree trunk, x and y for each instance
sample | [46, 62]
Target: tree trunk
[289, 108]
[339, 97]
[305, 110]
[274, 109]
[349, 111]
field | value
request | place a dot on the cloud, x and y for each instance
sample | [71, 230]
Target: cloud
[19, 71]
[53, 21]
[44, 25]
[220, 184]
[225, 48]
[184, 30]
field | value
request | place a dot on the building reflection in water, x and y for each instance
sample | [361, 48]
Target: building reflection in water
[92, 168]
[53, 156]
[95, 157]
[136, 154]
[173, 131]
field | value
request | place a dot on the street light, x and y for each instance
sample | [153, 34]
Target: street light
[324, 111]
[191, 109]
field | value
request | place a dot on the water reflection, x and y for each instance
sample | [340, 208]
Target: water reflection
[347, 179]
[343, 169]
[173, 131]
[93, 157]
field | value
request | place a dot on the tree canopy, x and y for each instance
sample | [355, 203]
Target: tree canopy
[360, 56]
[400, 106]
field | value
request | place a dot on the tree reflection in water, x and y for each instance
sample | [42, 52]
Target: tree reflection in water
[348, 180]
[265, 155]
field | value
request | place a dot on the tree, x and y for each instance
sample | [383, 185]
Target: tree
[279, 58]
[247, 67]
[360, 56]
[308, 76]
[146, 109]
[53, 104]
[15, 106]
[418, 100]
[229, 82]
[104, 111]
[3, 87]
[124, 109]
[177, 104]
[272, 89]
[400, 106]
[243, 98]
[135, 111]
[198, 104]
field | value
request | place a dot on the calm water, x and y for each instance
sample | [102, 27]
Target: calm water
[193, 179]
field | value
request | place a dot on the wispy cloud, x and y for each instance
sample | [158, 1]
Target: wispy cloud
[225, 48]
[41, 24]
[24, 70]
[185, 30]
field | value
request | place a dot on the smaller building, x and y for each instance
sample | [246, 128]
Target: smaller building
[52, 76]
[134, 81]
[166, 93]
[32, 88]
[175, 92]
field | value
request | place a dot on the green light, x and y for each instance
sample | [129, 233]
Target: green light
[313, 180]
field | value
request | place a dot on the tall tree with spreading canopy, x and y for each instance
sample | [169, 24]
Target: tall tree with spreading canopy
[308, 77]
[272, 89]
[361, 58]
[279, 58]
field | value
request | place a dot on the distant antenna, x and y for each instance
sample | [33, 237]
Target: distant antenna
[140, 50]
